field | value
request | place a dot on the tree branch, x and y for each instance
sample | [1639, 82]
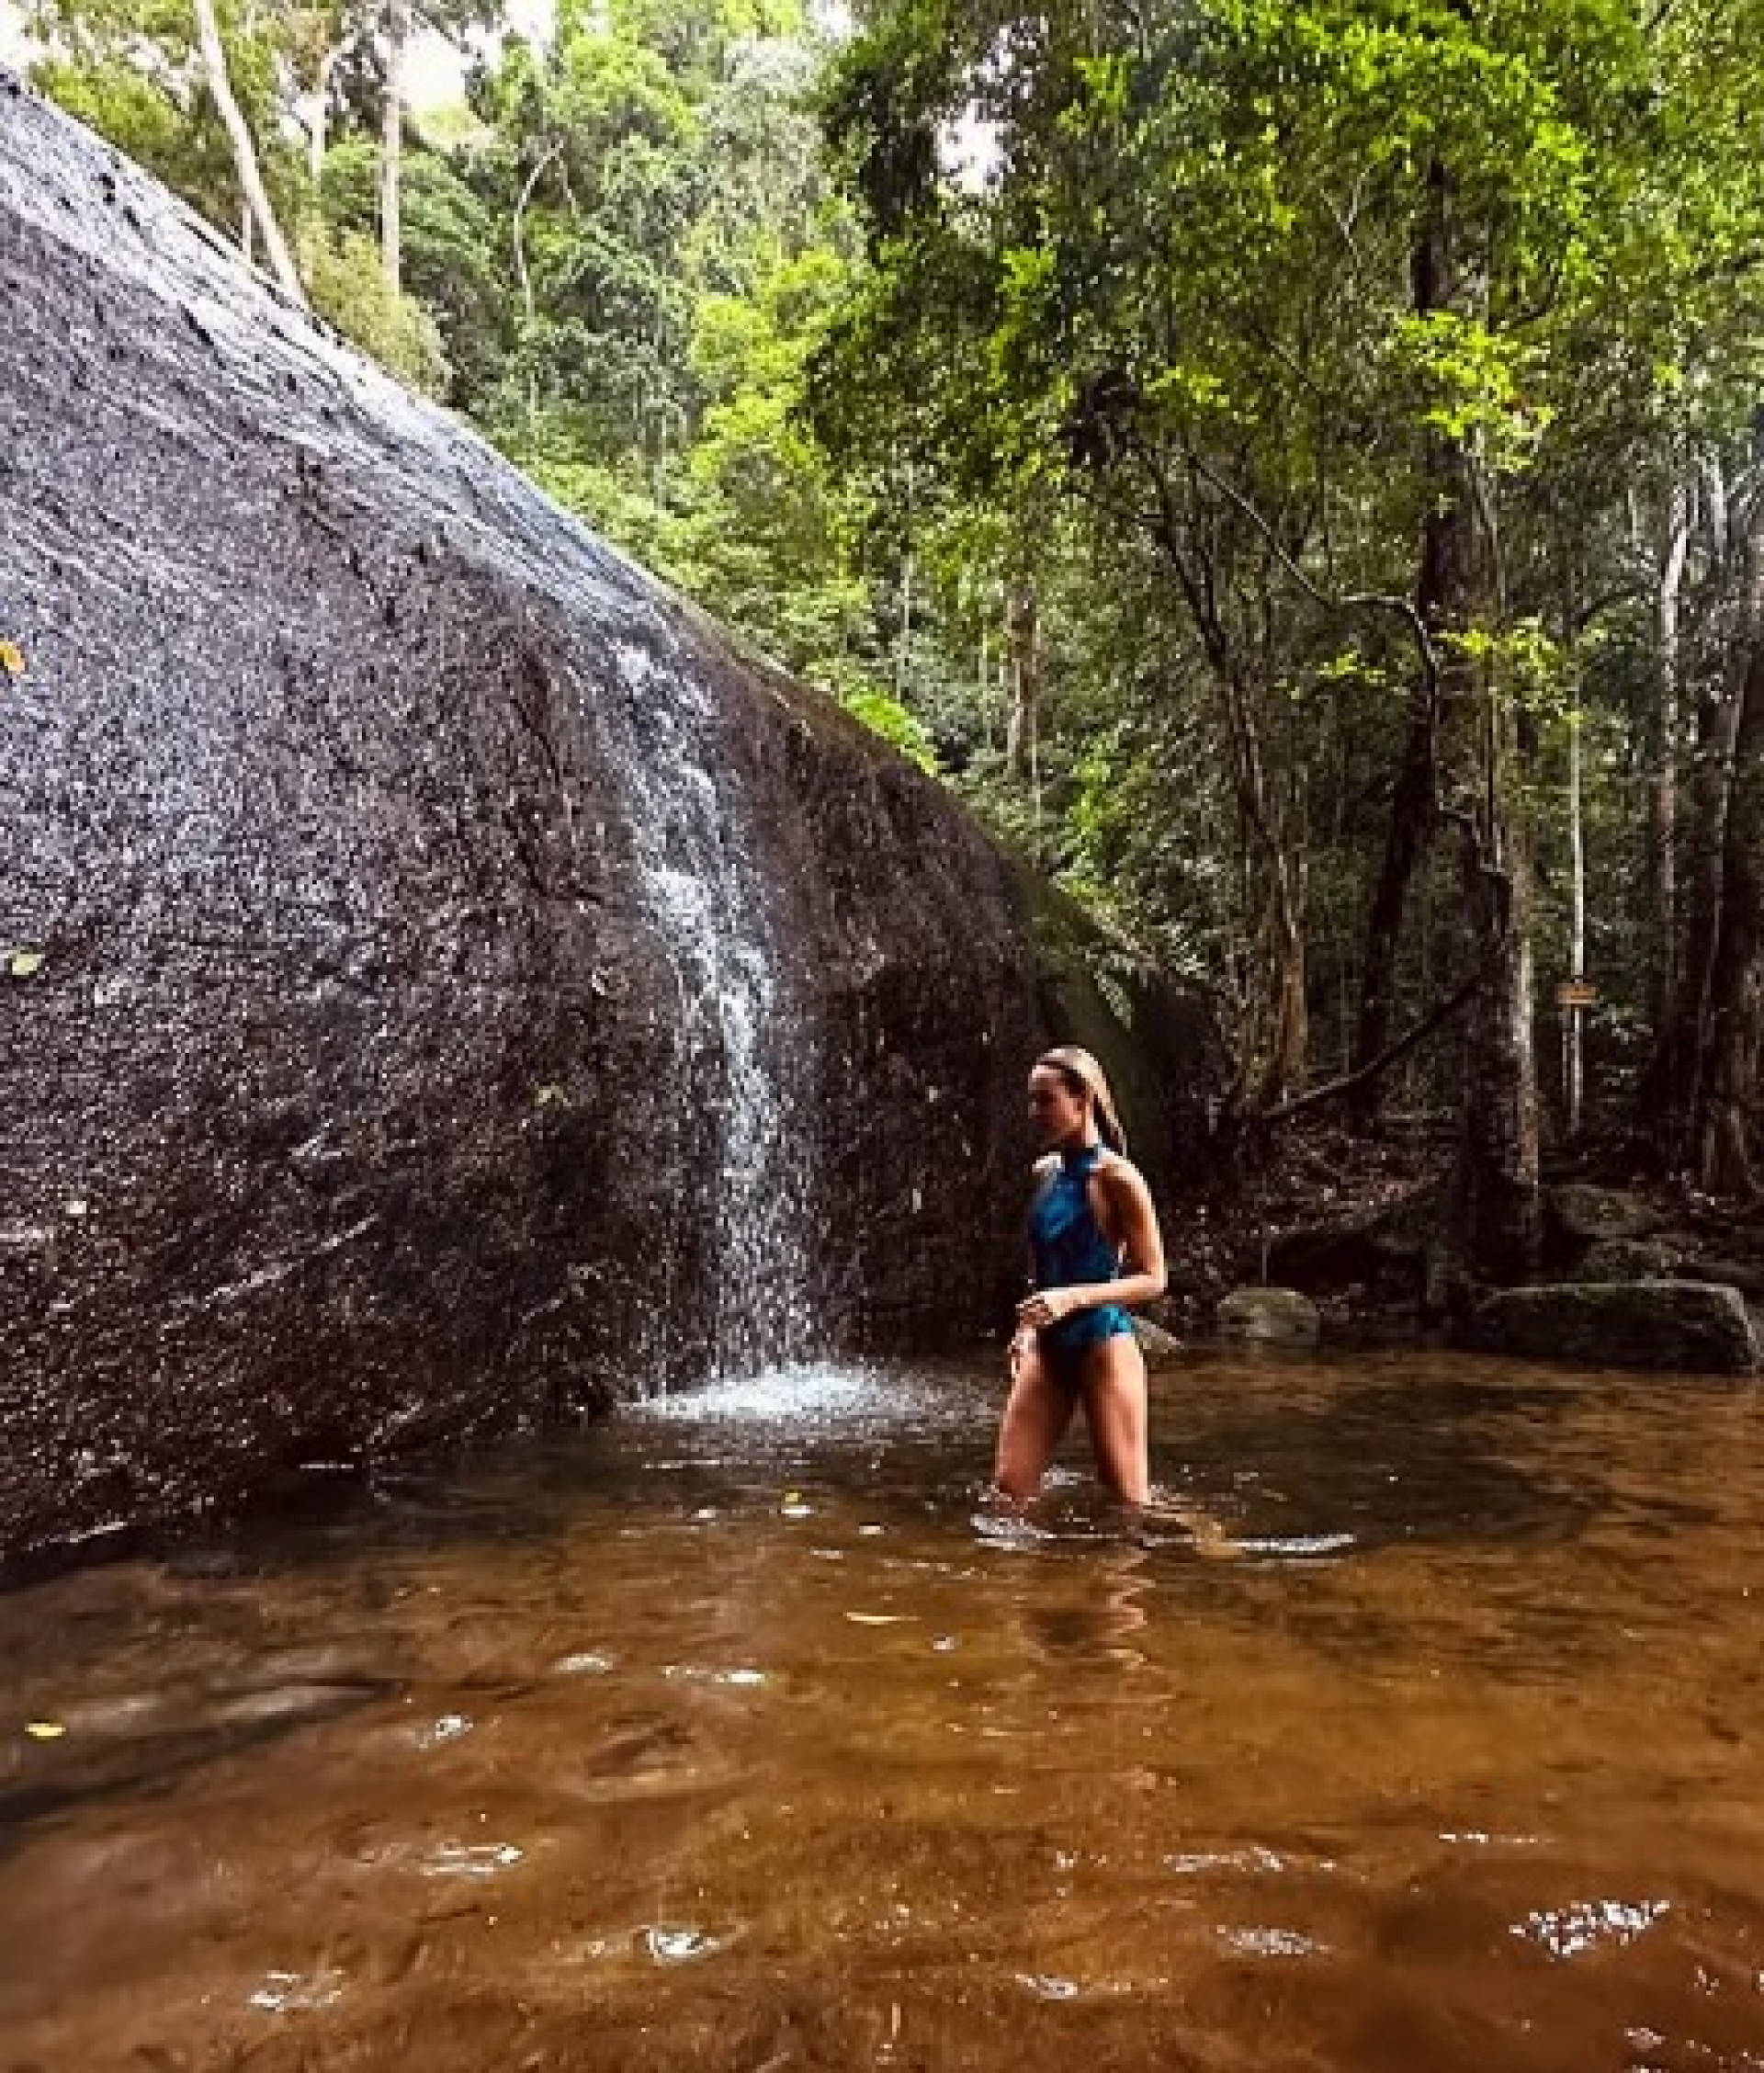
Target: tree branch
[1385, 601]
[1441, 1013]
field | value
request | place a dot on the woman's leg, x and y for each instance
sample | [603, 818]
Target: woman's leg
[1114, 1409]
[1036, 1416]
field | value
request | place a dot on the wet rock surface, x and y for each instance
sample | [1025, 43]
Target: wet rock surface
[1635, 1258]
[1686, 1325]
[1579, 1214]
[1381, 1246]
[409, 908]
[1281, 1314]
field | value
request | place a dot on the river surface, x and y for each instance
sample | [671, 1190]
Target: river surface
[1420, 1726]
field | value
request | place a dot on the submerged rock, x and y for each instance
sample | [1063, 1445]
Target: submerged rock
[1268, 1313]
[1652, 1324]
[1160, 1349]
[445, 985]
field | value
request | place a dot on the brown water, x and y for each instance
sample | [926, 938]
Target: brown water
[746, 1737]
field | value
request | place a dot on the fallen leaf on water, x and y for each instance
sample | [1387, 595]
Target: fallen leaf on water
[44, 1730]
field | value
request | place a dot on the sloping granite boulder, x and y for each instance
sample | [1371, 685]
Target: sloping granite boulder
[444, 985]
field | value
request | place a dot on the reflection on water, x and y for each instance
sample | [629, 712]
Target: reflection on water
[1416, 1725]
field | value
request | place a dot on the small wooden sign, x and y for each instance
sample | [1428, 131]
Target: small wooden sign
[1576, 993]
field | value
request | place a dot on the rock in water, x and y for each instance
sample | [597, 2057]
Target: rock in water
[1279, 1314]
[1159, 1348]
[1657, 1324]
[444, 986]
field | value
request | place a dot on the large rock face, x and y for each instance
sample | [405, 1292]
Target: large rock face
[442, 985]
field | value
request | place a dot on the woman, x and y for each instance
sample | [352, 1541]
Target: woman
[1095, 1250]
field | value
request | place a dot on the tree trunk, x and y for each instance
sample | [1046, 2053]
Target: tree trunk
[1664, 845]
[317, 130]
[244, 155]
[1407, 836]
[1497, 1205]
[1023, 637]
[1671, 1096]
[391, 145]
[1288, 1049]
[1574, 1024]
[1411, 824]
[1496, 1230]
[1728, 1085]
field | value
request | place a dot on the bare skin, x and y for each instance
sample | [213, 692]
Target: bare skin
[1111, 1381]
[1113, 1391]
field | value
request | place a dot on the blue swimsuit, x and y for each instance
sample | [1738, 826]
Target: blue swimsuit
[1070, 1246]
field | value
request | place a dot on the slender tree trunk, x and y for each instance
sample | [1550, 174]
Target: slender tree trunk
[1574, 1026]
[1671, 1097]
[1497, 1211]
[391, 145]
[1407, 836]
[983, 675]
[317, 133]
[1668, 600]
[523, 272]
[1728, 1085]
[1288, 1049]
[244, 155]
[1411, 823]
[1023, 637]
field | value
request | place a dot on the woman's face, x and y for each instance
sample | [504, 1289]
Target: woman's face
[1055, 1113]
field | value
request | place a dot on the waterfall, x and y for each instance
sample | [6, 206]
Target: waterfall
[704, 888]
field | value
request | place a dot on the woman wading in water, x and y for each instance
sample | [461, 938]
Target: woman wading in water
[1096, 1250]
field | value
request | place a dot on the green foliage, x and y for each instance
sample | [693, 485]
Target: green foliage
[1068, 390]
[452, 267]
[348, 286]
[889, 717]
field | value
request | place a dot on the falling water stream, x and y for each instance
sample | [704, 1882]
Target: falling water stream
[1417, 1727]
[706, 892]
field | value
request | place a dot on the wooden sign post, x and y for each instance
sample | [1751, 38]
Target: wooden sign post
[1574, 997]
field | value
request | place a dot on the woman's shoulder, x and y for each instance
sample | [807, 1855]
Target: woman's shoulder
[1116, 1168]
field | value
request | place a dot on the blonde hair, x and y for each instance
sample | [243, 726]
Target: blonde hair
[1081, 1067]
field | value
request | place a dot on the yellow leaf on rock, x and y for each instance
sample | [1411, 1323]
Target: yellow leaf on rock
[12, 658]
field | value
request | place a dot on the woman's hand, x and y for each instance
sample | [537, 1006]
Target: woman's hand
[1046, 1306]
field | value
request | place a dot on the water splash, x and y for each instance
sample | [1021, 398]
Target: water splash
[811, 1392]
